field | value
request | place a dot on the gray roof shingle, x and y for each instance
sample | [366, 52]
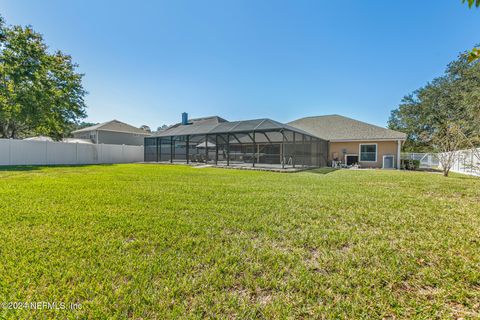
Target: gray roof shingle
[116, 126]
[211, 127]
[340, 128]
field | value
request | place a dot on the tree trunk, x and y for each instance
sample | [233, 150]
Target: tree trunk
[11, 134]
[5, 130]
[446, 171]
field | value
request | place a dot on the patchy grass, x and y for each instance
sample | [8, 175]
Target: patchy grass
[153, 241]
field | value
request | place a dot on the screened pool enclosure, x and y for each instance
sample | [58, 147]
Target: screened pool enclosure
[262, 143]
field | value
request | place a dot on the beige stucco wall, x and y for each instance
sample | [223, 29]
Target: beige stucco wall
[112, 137]
[353, 148]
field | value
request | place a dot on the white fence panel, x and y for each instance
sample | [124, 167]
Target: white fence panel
[132, 155]
[427, 160]
[467, 162]
[29, 152]
[112, 154]
[61, 153]
[21, 152]
[4, 152]
[87, 154]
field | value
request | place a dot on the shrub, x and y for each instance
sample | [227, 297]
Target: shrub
[408, 164]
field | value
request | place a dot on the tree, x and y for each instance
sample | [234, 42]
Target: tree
[162, 127]
[472, 3]
[448, 141]
[412, 117]
[474, 162]
[83, 124]
[78, 126]
[145, 128]
[475, 53]
[451, 98]
[40, 92]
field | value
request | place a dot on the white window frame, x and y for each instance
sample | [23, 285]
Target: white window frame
[360, 151]
[393, 161]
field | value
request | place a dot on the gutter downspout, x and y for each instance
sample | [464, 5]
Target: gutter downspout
[399, 150]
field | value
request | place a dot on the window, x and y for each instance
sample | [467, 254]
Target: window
[368, 152]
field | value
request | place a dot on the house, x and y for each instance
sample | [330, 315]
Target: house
[112, 132]
[246, 143]
[355, 142]
[306, 142]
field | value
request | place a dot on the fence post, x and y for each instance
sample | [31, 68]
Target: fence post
[471, 161]
[10, 151]
[46, 153]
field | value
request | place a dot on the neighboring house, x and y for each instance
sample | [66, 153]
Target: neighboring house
[352, 141]
[113, 132]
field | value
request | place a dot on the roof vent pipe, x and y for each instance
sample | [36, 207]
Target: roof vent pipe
[184, 118]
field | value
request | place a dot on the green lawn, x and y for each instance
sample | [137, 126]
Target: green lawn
[160, 241]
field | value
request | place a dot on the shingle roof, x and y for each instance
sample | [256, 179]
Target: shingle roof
[116, 126]
[226, 127]
[216, 119]
[336, 127]
[196, 121]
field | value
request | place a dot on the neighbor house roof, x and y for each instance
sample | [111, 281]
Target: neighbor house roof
[211, 127]
[65, 140]
[340, 128]
[115, 126]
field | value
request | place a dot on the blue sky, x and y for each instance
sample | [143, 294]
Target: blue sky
[147, 61]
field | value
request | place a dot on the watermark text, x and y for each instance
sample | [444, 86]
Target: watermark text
[40, 305]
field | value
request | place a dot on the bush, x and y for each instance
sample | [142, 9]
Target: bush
[408, 164]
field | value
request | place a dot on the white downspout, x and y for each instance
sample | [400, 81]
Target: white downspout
[399, 150]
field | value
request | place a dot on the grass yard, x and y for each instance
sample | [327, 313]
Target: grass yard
[159, 241]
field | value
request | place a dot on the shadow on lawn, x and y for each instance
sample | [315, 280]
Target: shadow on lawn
[19, 168]
[39, 167]
[325, 170]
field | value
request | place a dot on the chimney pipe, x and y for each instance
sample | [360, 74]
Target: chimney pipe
[184, 118]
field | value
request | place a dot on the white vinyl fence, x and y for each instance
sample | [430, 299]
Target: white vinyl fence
[427, 160]
[21, 152]
[464, 161]
[467, 162]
